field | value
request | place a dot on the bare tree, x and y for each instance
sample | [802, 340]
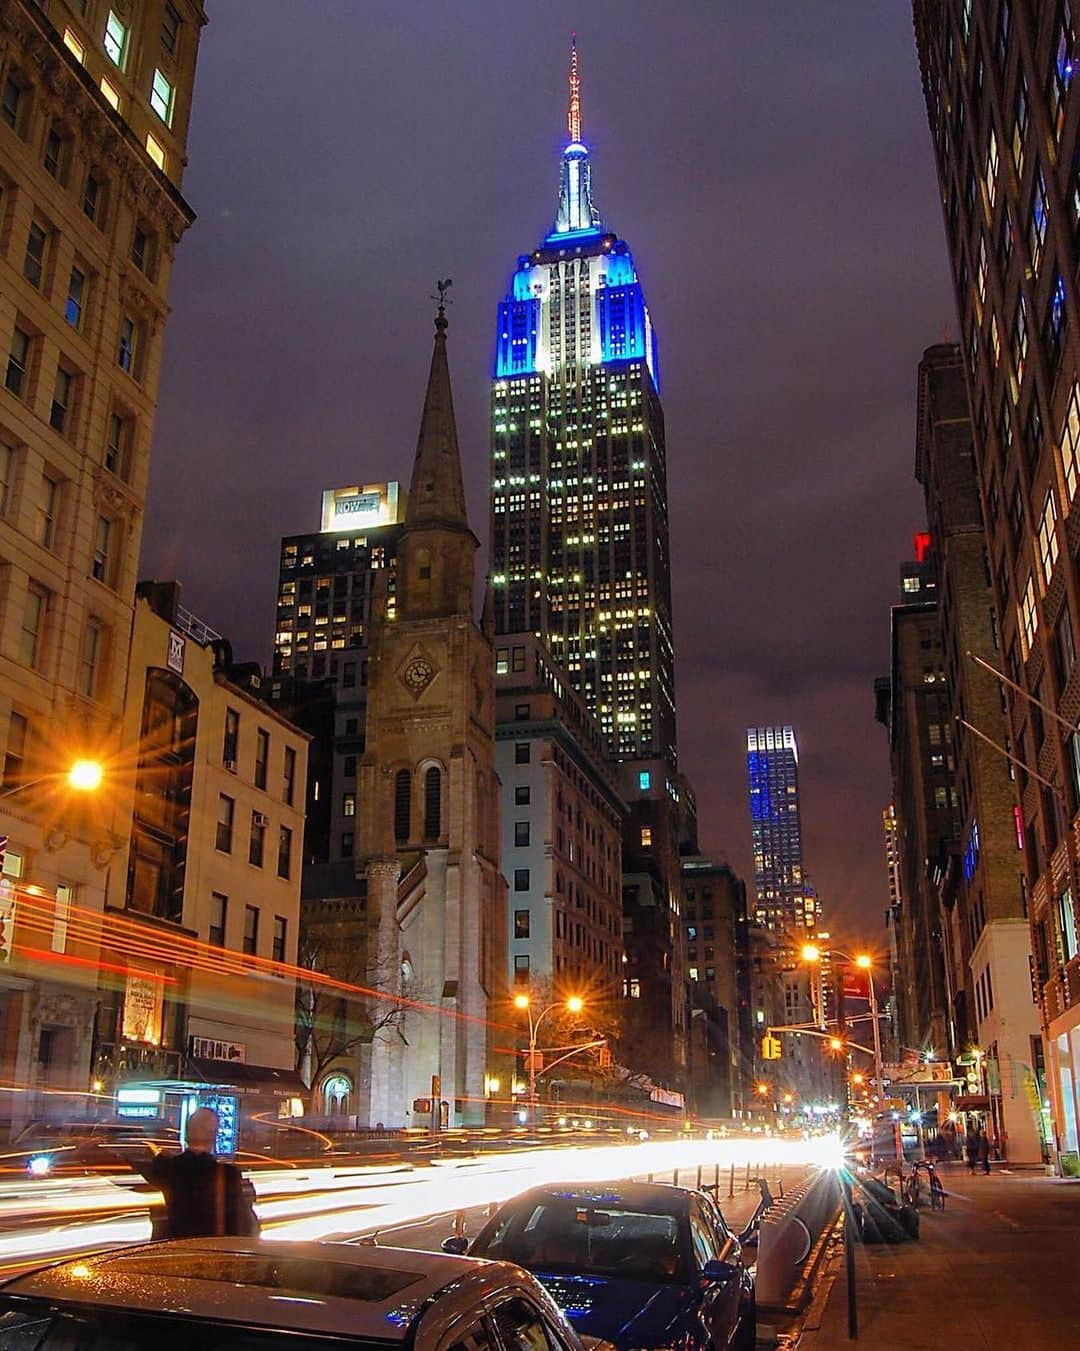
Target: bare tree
[332, 1022]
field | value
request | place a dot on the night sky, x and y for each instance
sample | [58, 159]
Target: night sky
[769, 165]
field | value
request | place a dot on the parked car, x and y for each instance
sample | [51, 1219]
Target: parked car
[639, 1265]
[244, 1295]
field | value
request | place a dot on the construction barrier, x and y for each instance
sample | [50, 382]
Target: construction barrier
[793, 1231]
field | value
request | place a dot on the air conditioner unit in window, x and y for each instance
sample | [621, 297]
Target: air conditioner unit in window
[260, 818]
[231, 766]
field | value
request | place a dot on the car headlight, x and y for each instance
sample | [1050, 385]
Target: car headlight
[39, 1166]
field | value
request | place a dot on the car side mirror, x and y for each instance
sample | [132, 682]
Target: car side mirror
[718, 1271]
[456, 1243]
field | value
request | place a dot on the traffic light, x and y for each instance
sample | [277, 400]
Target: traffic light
[771, 1047]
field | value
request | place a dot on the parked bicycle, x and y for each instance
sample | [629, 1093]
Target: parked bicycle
[917, 1189]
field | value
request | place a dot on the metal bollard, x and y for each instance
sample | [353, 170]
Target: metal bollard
[716, 1181]
[746, 1183]
[699, 1177]
[675, 1178]
[731, 1183]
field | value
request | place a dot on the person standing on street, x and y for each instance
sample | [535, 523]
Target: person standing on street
[984, 1151]
[204, 1197]
[971, 1148]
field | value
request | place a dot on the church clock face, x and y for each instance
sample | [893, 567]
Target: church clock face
[417, 671]
[418, 675]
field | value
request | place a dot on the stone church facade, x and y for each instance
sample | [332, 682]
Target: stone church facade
[428, 802]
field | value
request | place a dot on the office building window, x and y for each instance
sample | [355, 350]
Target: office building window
[156, 151]
[117, 441]
[125, 353]
[55, 153]
[349, 767]
[93, 197]
[522, 754]
[15, 753]
[7, 466]
[116, 40]
[90, 658]
[101, 564]
[521, 879]
[262, 757]
[284, 853]
[521, 712]
[230, 746]
[644, 779]
[289, 775]
[219, 912]
[226, 813]
[1070, 442]
[348, 804]
[34, 259]
[18, 362]
[170, 28]
[48, 507]
[346, 844]
[257, 839]
[73, 43]
[162, 97]
[1067, 921]
[251, 929]
[1048, 540]
[281, 929]
[140, 249]
[33, 623]
[646, 837]
[521, 969]
[521, 924]
[110, 93]
[521, 833]
[522, 795]
[76, 297]
[61, 400]
[11, 103]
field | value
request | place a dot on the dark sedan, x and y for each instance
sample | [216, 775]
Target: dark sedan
[637, 1265]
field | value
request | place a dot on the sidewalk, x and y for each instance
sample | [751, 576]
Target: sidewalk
[1000, 1267]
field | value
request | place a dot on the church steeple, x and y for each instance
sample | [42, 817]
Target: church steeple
[436, 491]
[436, 556]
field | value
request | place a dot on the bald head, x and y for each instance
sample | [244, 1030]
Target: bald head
[202, 1129]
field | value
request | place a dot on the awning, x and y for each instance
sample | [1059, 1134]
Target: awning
[252, 1078]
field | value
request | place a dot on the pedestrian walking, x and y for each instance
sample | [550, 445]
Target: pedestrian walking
[971, 1148]
[984, 1151]
[204, 1197]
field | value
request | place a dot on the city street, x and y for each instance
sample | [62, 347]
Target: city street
[996, 1268]
[404, 1205]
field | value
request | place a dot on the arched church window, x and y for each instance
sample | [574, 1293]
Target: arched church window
[432, 804]
[402, 806]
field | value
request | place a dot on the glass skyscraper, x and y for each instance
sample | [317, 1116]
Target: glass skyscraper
[579, 482]
[783, 897]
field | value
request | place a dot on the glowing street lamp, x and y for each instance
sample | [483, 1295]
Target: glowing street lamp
[836, 1044]
[85, 776]
[763, 1090]
[573, 1004]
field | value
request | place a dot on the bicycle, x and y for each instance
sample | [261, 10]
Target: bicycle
[912, 1188]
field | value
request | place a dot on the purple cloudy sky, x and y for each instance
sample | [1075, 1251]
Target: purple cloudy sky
[769, 164]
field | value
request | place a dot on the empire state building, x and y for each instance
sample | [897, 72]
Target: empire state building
[579, 509]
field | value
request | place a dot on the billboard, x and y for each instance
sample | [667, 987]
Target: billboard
[360, 507]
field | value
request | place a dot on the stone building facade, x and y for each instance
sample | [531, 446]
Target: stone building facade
[94, 109]
[428, 825]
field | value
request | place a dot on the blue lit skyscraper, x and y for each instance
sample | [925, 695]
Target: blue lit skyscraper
[579, 481]
[784, 898]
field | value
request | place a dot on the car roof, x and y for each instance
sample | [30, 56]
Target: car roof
[646, 1195]
[330, 1288]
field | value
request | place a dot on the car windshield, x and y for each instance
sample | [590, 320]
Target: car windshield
[562, 1235]
[47, 1329]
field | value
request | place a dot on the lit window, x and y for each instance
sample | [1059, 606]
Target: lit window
[156, 151]
[646, 836]
[911, 585]
[1048, 541]
[644, 780]
[112, 96]
[162, 96]
[1070, 442]
[1029, 616]
[116, 40]
[74, 46]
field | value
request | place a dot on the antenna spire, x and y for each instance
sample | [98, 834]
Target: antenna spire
[573, 116]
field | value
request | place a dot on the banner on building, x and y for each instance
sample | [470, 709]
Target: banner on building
[144, 997]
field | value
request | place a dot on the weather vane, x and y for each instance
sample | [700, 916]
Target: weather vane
[442, 286]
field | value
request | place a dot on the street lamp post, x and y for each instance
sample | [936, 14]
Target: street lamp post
[574, 1004]
[84, 776]
[864, 963]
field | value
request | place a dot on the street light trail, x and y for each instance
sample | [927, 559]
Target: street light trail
[326, 1202]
